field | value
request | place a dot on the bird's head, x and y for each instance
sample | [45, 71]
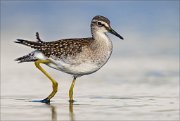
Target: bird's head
[102, 24]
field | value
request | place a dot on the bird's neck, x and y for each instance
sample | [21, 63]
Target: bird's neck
[101, 47]
[101, 44]
[101, 38]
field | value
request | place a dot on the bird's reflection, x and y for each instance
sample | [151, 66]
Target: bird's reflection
[54, 112]
[71, 113]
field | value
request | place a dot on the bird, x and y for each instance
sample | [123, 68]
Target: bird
[74, 56]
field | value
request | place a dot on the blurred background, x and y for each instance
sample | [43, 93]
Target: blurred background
[146, 62]
[150, 29]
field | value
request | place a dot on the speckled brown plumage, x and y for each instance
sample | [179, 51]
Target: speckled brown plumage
[59, 48]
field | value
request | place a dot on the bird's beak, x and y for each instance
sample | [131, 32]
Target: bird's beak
[115, 33]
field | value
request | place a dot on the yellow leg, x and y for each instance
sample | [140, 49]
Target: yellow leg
[71, 90]
[54, 82]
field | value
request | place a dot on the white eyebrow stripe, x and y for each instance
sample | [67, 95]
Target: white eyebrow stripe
[104, 23]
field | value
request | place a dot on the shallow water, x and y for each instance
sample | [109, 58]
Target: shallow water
[92, 108]
[122, 92]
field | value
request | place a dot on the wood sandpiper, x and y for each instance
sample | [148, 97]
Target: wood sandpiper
[76, 56]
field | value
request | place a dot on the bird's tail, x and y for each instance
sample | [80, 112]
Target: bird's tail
[32, 44]
[35, 45]
[27, 58]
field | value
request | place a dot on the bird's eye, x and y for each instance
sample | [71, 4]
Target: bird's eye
[99, 24]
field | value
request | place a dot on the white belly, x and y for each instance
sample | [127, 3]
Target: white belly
[76, 70]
